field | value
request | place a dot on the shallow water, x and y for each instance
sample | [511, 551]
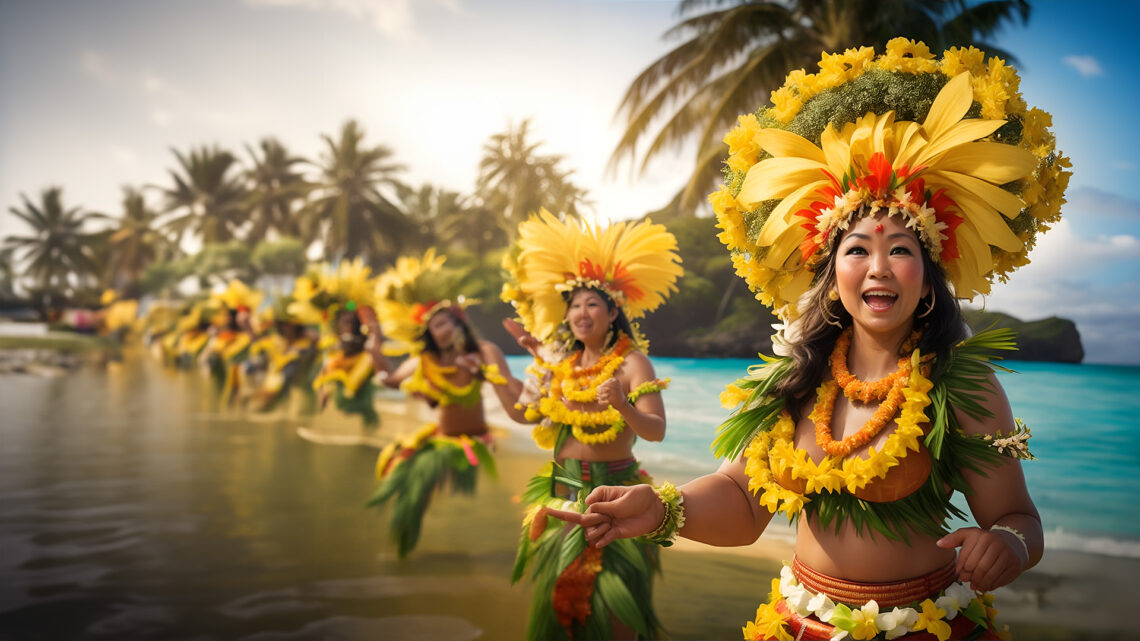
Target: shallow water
[132, 510]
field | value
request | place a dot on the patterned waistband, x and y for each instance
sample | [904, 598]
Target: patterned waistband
[612, 467]
[887, 595]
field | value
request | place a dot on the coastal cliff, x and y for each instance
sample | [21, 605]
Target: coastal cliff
[1049, 339]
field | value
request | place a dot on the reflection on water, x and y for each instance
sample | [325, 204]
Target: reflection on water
[131, 510]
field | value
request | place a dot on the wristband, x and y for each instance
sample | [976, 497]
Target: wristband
[674, 518]
[1019, 535]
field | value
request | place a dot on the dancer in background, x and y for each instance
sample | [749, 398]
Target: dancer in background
[593, 393]
[911, 182]
[421, 314]
[337, 298]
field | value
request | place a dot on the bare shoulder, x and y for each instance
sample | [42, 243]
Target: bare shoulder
[490, 350]
[637, 367]
[991, 397]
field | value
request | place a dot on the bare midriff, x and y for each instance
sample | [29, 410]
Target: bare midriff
[455, 420]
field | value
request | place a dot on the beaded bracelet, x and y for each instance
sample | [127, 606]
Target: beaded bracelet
[1019, 535]
[674, 518]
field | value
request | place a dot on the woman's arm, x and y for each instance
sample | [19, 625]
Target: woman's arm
[718, 509]
[991, 555]
[646, 417]
[509, 393]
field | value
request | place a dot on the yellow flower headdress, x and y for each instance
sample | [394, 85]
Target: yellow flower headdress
[318, 295]
[409, 294]
[238, 295]
[634, 263]
[948, 144]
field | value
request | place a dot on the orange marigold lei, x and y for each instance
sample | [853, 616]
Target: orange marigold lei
[866, 392]
[581, 384]
[888, 390]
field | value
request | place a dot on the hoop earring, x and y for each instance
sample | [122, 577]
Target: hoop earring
[929, 306]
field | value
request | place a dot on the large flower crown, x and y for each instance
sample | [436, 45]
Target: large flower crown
[238, 295]
[635, 263]
[409, 294]
[948, 144]
[318, 295]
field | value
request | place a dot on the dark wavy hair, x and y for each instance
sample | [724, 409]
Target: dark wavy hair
[619, 325]
[470, 340]
[942, 328]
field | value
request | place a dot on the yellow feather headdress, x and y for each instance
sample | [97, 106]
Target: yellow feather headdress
[318, 295]
[635, 263]
[948, 144]
[409, 293]
[238, 295]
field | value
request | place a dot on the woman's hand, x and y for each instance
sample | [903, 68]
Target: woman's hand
[988, 559]
[524, 338]
[617, 512]
[610, 393]
[473, 363]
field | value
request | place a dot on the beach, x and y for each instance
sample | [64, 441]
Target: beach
[460, 567]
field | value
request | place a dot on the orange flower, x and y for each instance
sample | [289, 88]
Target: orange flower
[574, 589]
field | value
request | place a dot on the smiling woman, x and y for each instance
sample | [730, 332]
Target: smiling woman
[592, 394]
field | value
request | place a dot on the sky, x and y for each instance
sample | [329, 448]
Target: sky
[95, 95]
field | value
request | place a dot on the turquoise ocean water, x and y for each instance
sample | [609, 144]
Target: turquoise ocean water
[1086, 436]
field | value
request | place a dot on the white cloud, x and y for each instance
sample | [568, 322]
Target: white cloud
[1094, 282]
[1087, 66]
[393, 18]
[95, 65]
[156, 85]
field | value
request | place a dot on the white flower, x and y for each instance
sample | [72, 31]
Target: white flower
[825, 611]
[821, 605]
[897, 622]
[957, 597]
[839, 635]
[799, 599]
[787, 580]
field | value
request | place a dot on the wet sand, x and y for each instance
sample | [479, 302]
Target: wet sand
[704, 592]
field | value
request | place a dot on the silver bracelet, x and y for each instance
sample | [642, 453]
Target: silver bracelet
[1019, 535]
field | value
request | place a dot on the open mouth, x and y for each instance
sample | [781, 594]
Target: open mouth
[880, 300]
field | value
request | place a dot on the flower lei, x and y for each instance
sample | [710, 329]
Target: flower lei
[581, 385]
[865, 622]
[773, 452]
[430, 380]
[888, 391]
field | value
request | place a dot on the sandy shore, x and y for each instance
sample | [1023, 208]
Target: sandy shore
[460, 569]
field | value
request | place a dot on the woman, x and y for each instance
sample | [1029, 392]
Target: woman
[593, 394]
[869, 473]
[337, 299]
[445, 370]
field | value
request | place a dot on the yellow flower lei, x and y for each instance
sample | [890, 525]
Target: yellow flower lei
[553, 408]
[351, 371]
[774, 452]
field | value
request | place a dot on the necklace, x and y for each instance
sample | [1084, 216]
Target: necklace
[567, 382]
[887, 390]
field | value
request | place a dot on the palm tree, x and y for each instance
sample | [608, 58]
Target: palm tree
[515, 181]
[134, 242]
[450, 220]
[208, 195]
[276, 189]
[349, 213]
[737, 52]
[56, 254]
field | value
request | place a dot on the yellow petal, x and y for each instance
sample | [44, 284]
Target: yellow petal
[990, 161]
[777, 177]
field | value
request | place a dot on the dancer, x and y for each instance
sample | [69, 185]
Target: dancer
[338, 298]
[228, 348]
[421, 314]
[593, 393]
[286, 357]
[917, 181]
